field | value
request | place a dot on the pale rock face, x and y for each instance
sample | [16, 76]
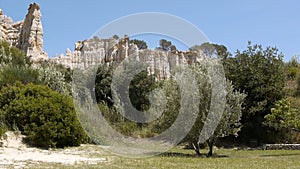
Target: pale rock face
[90, 52]
[26, 35]
[31, 36]
[97, 51]
[2, 33]
[9, 31]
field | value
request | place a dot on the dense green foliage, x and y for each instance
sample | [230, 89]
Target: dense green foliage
[45, 116]
[3, 127]
[229, 123]
[12, 55]
[256, 108]
[103, 82]
[284, 116]
[15, 66]
[291, 68]
[139, 89]
[260, 74]
[29, 101]
[9, 74]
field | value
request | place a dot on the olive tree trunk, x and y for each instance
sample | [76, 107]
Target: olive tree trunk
[210, 143]
[196, 148]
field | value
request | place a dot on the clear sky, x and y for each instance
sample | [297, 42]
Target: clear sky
[229, 22]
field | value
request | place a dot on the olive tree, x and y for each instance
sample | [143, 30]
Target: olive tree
[228, 121]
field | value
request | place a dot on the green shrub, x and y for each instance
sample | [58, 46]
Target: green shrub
[10, 74]
[144, 132]
[291, 73]
[110, 114]
[45, 116]
[13, 56]
[127, 128]
[3, 127]
[53, 76]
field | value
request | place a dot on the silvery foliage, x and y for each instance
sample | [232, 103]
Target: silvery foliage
[229, 123]
[49, 75]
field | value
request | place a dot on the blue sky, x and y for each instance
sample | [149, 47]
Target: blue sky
[231, 23]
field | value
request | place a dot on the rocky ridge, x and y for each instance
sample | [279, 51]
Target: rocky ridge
[28, 36]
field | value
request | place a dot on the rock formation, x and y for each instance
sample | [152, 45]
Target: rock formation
[26, 35]
[9, 31]
[31, 35]
[97, 51]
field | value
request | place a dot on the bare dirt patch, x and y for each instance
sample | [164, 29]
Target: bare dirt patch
[14, 153]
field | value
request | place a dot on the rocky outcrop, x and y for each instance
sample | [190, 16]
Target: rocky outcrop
[26, 35]
[87, 53]
[9, 30]
[97, 51]
[31, 35]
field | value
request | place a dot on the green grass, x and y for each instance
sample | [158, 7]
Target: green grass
[182, 159]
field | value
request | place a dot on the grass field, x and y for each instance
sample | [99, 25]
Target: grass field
[183, 159]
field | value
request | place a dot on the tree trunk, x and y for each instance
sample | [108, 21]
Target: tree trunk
[196, 148]
[210, 143]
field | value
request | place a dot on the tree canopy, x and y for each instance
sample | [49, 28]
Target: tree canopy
[260, 74]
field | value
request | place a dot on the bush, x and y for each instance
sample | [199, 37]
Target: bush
[45, 116]
[126, 128]
[10, 74]
[3, 127]
[144, 132]
[13, 56]
[53, 76]
[15, 66]
[291, 73]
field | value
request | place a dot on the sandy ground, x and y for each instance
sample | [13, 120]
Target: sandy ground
[14, 153]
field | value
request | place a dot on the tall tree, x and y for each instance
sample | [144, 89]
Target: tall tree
[260, 74]
[230, 117]
[229, 123]
[102, 84]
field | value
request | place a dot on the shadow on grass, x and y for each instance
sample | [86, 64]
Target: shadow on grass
[184, 155]
[278, 155]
